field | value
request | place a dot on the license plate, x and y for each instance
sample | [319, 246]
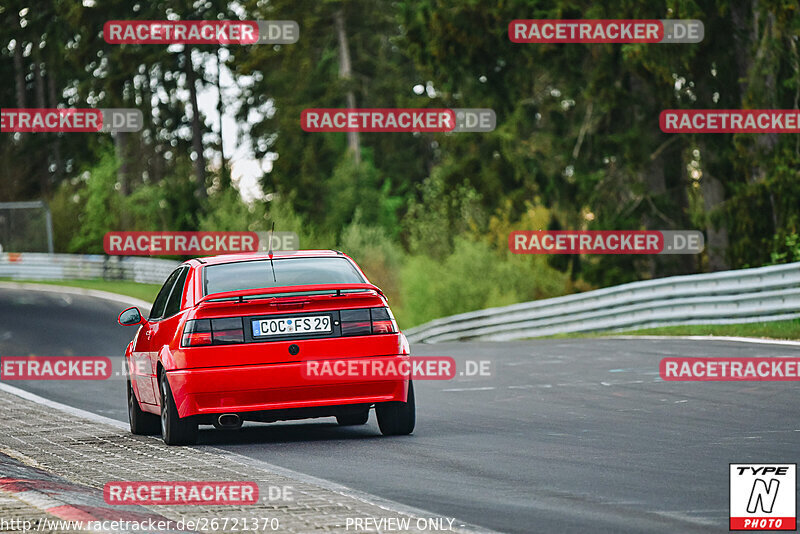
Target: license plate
[313, 324]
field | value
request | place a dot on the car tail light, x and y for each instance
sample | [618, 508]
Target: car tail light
[196, 332]
[382, 321]
[356, 322]
[227, 330]
[367, 321]
[199, 332]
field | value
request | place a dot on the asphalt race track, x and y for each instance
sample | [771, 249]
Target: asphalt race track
[565, 436]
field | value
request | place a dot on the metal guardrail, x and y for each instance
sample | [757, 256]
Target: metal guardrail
[746, 295]
[40, 266]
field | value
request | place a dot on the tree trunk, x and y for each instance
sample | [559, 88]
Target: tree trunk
[224, 174]
[121, 148]
[345, 73]
[39, 79]
[157, 165]
[43, 166]
[716, 236]
[764, 95]
[652, 173]
[56, 144]
[19, 73]
[197, 132]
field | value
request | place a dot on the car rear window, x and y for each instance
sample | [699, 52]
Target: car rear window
[257, 274]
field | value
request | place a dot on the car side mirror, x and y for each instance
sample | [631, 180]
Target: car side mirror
[130, 317]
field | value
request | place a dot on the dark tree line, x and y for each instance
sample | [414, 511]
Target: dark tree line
[577, 133]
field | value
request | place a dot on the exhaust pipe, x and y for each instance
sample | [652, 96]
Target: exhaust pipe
[228, 421]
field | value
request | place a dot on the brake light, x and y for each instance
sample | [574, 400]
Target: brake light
[367, 321]
[199, 332]
[382, 321]
[356, 322]
[227, 330]
[196, 332]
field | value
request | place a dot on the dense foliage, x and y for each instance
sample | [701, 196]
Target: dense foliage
[577, 143]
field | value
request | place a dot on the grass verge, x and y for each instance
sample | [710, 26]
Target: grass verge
[771, 330]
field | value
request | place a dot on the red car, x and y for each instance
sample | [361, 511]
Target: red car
[232, 338]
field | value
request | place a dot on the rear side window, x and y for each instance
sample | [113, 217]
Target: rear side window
[174, 302]
[257, 274]
[157, 311]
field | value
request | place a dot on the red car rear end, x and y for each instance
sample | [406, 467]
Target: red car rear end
[233, 338]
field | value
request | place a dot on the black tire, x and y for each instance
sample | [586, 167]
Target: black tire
[353, 419]
[142, 423]
[174, 429]
[397, 418]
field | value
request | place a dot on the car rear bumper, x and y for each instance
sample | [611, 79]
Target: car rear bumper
[277, 386]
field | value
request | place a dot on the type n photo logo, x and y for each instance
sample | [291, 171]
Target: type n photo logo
[763, 496]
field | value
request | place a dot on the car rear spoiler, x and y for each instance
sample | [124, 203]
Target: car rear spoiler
[242, 293]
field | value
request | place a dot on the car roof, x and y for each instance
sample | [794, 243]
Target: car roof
[278, 254]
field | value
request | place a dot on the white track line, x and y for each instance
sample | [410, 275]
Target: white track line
[145, 306]
[386, 504]
[77, 412]
[786, 342]
[323, 483]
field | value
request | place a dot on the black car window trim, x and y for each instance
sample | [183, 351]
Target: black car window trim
[169, 298]
[171, 289]
[168, 287]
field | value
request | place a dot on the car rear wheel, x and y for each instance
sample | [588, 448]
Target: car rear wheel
[397, 418]
[175, 430]
[353, 419]
[142, 423]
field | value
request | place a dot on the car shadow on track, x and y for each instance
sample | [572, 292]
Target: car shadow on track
[286, 433]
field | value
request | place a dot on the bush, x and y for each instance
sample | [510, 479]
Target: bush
[377, 254]
[473, 277]
[102, 208]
